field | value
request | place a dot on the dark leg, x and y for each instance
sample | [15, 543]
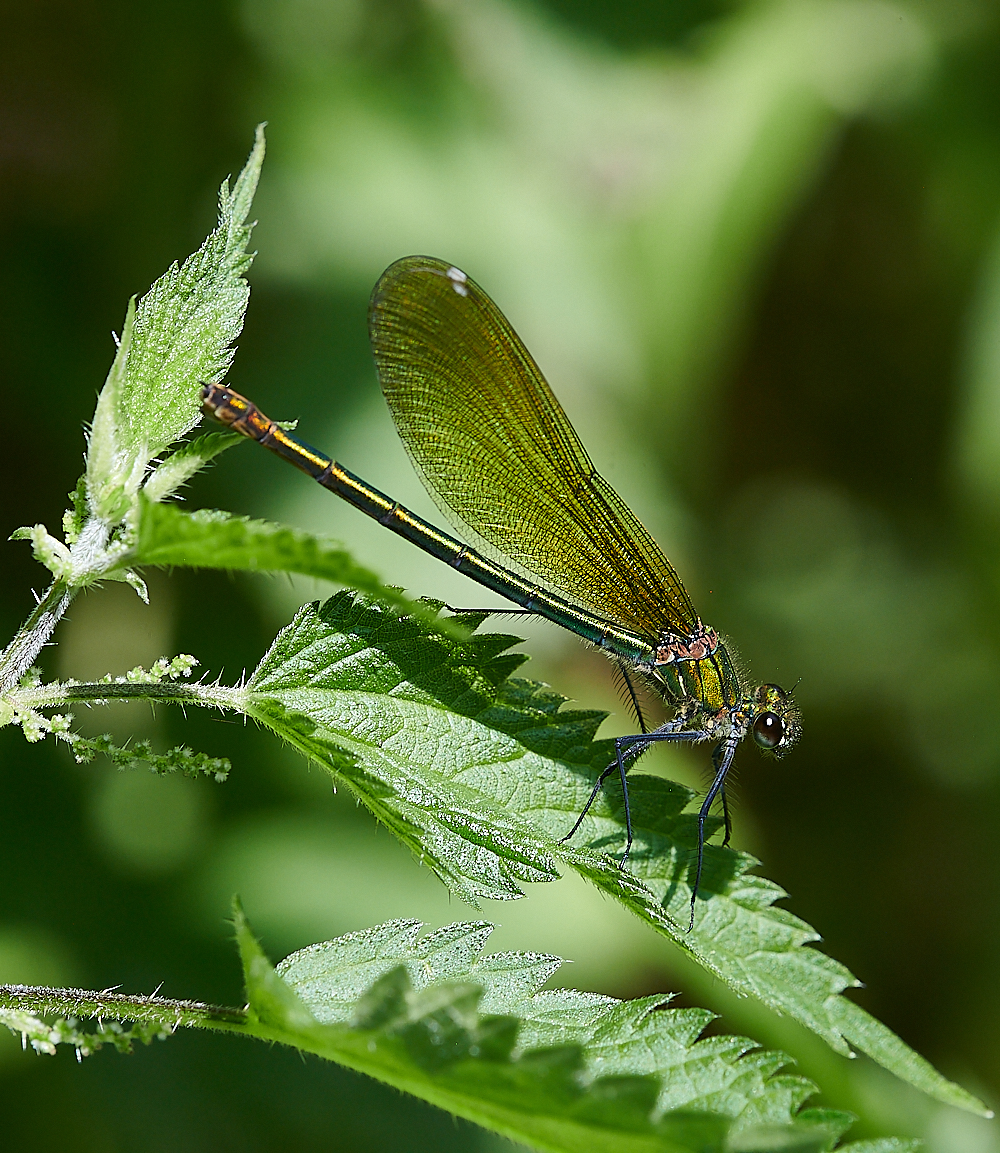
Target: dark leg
[628, 811]
[725, 815]
[624, 747]
[717, 753]
[728, 748]
[641, 744]
[590, 800]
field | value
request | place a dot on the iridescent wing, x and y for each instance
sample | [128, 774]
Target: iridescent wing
[494, 448]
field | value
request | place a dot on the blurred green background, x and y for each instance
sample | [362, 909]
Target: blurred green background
[755, 250]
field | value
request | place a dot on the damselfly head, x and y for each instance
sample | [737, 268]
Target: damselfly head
[777, 722]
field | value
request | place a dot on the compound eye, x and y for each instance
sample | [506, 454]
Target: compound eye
[771, 690]
[768, 730]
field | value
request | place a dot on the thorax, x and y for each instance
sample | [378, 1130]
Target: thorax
[711, 685]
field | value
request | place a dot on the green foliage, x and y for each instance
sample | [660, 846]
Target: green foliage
[179, 759]
[209, 538]
[181, 334]
[479, 1036]
[560, 1070]
[23, 708]
[76, 514]
[45, 1037]
[481, 775]
[181, 465]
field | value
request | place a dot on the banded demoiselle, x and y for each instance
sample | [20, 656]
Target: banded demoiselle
[497, 453]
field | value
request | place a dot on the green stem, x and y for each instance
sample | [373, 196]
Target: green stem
[166, 692]
[33, 635]
[40, 1000]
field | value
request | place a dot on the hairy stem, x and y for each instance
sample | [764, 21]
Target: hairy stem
[166, 692]
[32, 636]
[40, 1000]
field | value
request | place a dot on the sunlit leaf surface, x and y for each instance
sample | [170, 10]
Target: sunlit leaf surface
[180, 334]
[482, 775]
[479, 1036]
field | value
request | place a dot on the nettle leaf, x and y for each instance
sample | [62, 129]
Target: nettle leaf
[180, 334]
[479, 1036]
[481, 775]
[557, 1069]
[210, 538]
[181, 465]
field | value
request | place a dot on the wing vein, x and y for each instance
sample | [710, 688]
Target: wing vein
[496, 451]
